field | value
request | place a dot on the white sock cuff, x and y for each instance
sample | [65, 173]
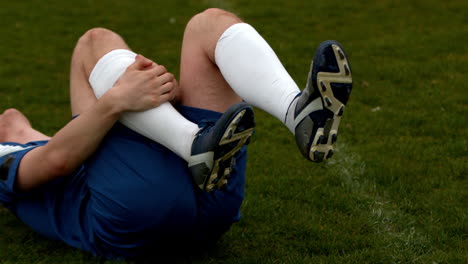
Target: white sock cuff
[109, 69]
[254, 71]
[230, 33]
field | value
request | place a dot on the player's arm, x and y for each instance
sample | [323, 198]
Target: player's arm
[139, 89]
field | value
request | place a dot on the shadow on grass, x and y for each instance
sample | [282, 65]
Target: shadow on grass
[23, 243]
[194, 254]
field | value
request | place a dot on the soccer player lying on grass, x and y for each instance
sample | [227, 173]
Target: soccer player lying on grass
[132, 169]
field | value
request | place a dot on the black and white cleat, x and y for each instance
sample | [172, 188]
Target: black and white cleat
[215, 147]
[322, 103]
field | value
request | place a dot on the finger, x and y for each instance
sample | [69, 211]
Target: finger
[160, 70]
[141, 63]
[166, 77]
[166, 88]
[153, 64]
[166, 97]
[173, 92]
[156, 71]
[173, 95]
[145, 62]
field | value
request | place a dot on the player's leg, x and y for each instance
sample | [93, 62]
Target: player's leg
[16, 134]
[15, 127]
[253, 71]
[201, 82]
[94, 44]
[203, 86]
[101, 57]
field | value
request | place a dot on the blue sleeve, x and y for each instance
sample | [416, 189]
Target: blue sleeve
[10, 158]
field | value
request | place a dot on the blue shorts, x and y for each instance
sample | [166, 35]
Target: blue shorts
[131, 194]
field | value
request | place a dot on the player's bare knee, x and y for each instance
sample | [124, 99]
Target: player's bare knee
[211, 13]
[13, 117]
[9, 115]
[84, 41]
[82, 47]
[7, 122]
[210, 18]
[97, 36]
[92, 45]
[10, 111]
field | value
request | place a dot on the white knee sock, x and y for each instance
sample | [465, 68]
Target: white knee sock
[255, 73]
[163, 124]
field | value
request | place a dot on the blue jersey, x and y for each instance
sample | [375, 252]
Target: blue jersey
[130, 194]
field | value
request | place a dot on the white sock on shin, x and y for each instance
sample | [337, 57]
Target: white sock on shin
[163, 124]
[254, 72]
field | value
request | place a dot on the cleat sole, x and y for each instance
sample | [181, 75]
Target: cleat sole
[334, 138]
[341, 111]
[324, 88]
[324, 80]
[237, 134]
[330, 154]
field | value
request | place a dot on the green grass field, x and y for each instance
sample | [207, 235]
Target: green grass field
[396, 190]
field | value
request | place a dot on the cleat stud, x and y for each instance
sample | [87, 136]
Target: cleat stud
[330, 153]
[318, 156]
[227, 171]
[324, 88]
[328, 101]
[340, 52]
[347, 71]
[320, 140]
[209, 187]
[334, 138]
[222, 186]
[222, 183]
[341, 111]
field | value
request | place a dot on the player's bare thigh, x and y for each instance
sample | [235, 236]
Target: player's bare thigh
[201, 82]
[94, 44]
